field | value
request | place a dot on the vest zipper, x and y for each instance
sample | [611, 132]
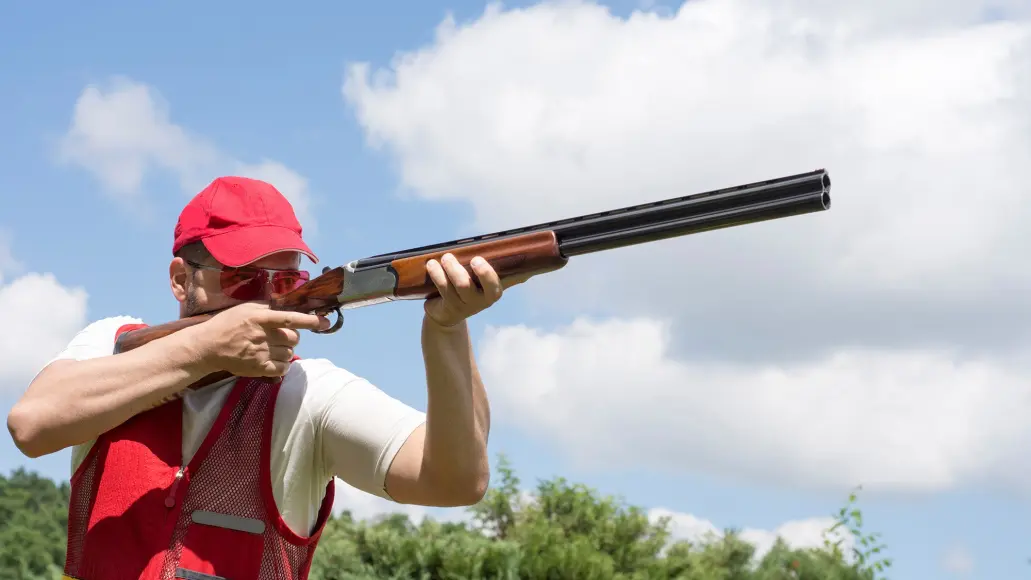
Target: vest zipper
[170, 500]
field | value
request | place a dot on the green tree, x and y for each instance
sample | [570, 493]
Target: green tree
[567, 531]
[33, 526]
[560, 531]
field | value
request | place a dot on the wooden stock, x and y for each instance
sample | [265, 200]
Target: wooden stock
[530, 254]
[318, 296]
[137, 338]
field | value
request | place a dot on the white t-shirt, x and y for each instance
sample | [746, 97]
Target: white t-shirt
[327, 422]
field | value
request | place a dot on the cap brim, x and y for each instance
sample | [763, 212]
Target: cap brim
[244, 246]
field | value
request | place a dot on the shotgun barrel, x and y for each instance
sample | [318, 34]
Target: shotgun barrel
[537, 249]
[647, 222]
[546, 247]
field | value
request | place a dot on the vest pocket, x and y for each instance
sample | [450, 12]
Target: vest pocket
[219, 546]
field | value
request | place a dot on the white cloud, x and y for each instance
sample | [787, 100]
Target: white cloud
[882, 342]
[40, 316]
[910, 420]
[123, 132]
[958, 561]
[924, 133]
[797, 534]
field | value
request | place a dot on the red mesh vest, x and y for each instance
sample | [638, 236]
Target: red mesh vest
[137, 513]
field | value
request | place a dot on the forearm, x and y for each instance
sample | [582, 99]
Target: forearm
[71, 402]
[457, 413]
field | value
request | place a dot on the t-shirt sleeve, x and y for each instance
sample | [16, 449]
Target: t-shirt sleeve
[358, 428]
[96, 340]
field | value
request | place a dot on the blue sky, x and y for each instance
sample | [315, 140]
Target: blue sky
[260, 81]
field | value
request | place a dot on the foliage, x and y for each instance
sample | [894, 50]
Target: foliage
[562, 531]
[569, 532]
[865, 546]
[33, 526]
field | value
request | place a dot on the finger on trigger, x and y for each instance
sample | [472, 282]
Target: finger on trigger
[300, 320]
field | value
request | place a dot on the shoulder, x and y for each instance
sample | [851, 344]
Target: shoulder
[105, 328]
[313, 383]
[320, 370]
[321, 391]
[111, 323]
[96, 339]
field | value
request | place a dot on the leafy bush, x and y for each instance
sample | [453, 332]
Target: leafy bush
[563, 531]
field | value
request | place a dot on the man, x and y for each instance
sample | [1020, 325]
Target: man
[234, 480]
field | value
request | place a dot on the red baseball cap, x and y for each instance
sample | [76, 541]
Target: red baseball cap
[240, 220]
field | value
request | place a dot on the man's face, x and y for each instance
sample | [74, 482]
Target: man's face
[200, 289]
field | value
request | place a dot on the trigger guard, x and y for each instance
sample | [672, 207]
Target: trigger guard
[336, 325]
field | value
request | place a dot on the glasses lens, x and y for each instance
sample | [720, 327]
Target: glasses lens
[283, 282]
[250, 283]
[243, 283]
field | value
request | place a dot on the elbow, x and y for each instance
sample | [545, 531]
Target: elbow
[19, 425]
[464, 491]
[479, 490]
[474, 490]
[461, 496]
[23, 425]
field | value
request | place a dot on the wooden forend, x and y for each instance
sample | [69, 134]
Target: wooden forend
[534, 253]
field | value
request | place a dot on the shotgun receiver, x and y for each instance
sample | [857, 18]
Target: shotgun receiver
[535, 249]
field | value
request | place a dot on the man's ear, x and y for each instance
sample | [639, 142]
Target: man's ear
[179, 279]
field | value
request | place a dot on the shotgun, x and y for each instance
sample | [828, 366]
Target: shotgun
[531, 250]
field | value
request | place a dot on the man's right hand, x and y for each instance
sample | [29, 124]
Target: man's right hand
[251, 340]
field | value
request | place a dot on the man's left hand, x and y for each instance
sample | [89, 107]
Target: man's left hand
[459, 297]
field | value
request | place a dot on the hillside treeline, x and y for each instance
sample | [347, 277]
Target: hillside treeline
[566, 531]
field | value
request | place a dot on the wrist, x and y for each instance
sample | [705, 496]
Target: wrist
[431, 324]
[195, 351]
